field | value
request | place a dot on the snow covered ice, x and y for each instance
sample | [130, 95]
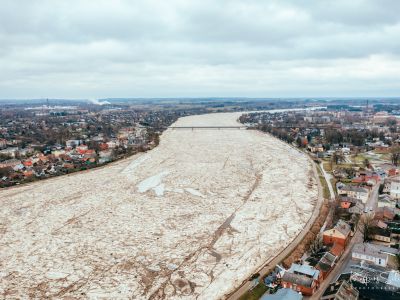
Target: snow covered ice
[193, 218]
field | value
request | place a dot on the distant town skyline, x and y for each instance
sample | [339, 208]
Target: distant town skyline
[151, 49]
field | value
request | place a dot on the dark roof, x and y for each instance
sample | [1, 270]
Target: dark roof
[323, 266]
[326, 262]
[380, 231]
[342, 289]
[297, 279]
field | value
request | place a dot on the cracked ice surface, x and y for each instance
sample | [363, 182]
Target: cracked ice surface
[192, 218]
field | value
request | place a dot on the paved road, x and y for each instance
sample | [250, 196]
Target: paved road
[345, 258]
[246, 286]
[373, 198]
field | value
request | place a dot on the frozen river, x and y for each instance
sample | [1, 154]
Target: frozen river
[190, 219]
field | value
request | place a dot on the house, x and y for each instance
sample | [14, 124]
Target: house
[301, 278]
[387, 250]
[392, 187]
[370, 281]
[358, 208]
[325, 264]
[370, 178]
[103, 146]
[381, 173]
[381, 235]
[386, 201]
[384, 213]
[282, 294]
[340, 173]
[27, 163]
[316, 148]
[347, 202]
[338, 234]
[10, 163]
[28, 173]
[73, 143]
[82, 149]
[10, 152]
[340, 290]
[90, 154]
[379, 223]
[112, 144]
[356, 192]
[3, 143]
[58, 152]
[392, 172]
[369, 253]
[105, 156]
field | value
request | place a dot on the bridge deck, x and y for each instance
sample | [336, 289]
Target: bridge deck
[208, 127]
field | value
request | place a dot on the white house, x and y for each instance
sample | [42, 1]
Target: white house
[73, 143]
[356, 192]
[3, 143]
[386, 200]
[392, 187]
[369, 253]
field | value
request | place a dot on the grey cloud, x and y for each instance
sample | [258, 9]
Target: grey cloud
[166, 48]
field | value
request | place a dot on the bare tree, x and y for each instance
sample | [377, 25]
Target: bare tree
[366, 227]
[316, 244]
[395, 156]
[337, 157]
[366, 162]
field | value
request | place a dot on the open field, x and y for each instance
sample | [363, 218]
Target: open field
[190, 219]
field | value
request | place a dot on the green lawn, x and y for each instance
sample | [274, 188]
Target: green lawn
[325, 188]
[327, 194]
[255, 293]
[333, 183]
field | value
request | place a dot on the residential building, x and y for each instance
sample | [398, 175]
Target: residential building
[381, 235]
[3, 143]
[338, 234]
[384, 213]
[325, 264]
[347, 202]
[356, 192]
[358, 208]
[73, 143]
[301, 278]
[340, 290]
[10, 163]
[386, 201]
[392, 187]
[368, 252]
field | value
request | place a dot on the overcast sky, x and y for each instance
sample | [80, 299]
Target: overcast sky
[168, 48]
